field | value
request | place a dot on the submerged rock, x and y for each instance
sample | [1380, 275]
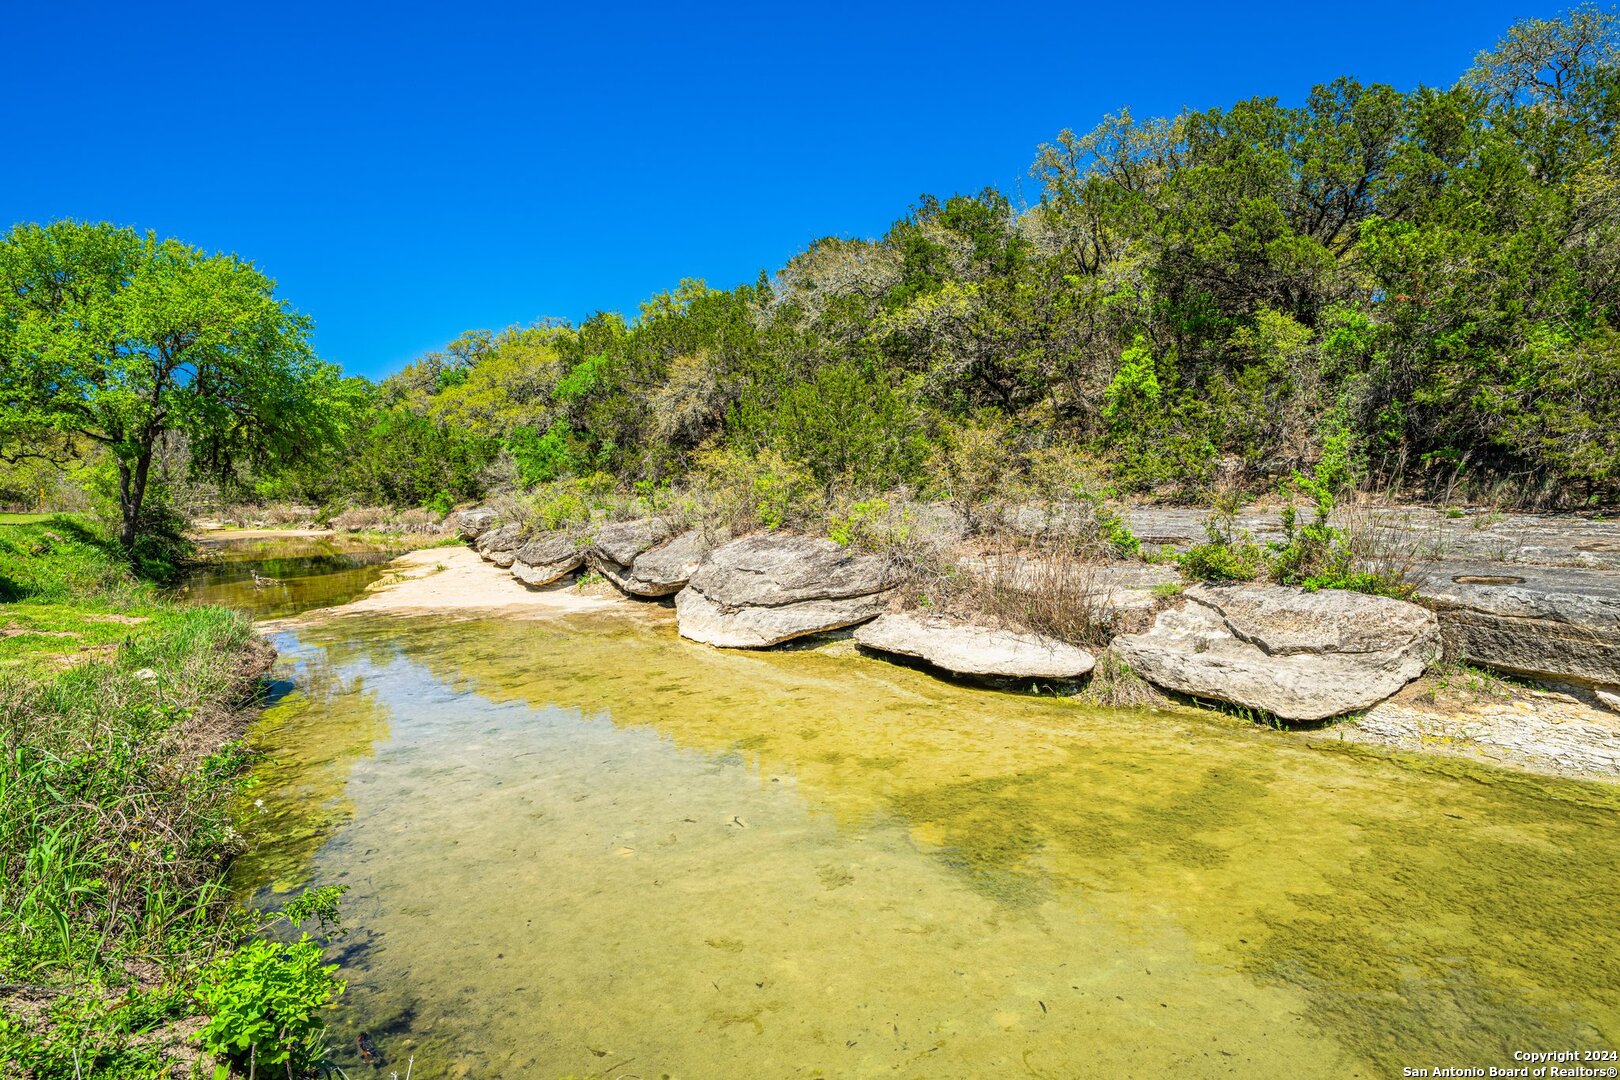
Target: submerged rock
[1294, 654]
[546, 558]
[471, 523]
[969, 649]
[763, 590]
[1556, 622]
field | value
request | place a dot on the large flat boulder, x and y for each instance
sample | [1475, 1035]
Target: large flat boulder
[1561, 623]
[762, 590]
[470, 524]
[701, 619]
[1294, 654]
[545, 558]
[970, 649]
[659, 571]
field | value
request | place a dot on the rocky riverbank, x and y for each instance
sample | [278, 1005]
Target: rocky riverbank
[1423, 676]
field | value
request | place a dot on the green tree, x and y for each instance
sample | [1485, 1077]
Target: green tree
[117, 338]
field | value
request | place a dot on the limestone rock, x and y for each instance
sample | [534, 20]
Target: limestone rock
[701, 619]
[493, 545]
[617, 546]
[471, 523]
[546, 558]
[969, 649]
[621, 541]
[1554, 622]
[1294, 654]
[659, 571]
[770, 569]
[766, 589]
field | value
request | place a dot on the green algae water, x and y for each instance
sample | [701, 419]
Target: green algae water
[294, 573]
[588, 848]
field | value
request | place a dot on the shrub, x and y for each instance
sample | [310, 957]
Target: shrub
[1320, 555]
[1229, 554]
[736, 492]
[863, 524]
[542, 457]
[264, 1003]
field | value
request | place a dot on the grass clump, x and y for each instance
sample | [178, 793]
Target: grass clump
[1362, 555]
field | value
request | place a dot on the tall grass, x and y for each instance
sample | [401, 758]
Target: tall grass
[116, 765]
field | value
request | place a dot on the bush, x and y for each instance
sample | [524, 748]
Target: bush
[1227, 555]
[862, 524]
[736, 493]
[264, 1003]
[542, 457]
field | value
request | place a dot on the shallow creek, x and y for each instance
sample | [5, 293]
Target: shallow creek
[294, 573]
[584, 847]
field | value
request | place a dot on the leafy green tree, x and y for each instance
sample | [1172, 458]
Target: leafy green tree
[117, 338]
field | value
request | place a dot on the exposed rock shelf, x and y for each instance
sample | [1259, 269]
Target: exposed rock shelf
[1293, 654]
[1286, 652]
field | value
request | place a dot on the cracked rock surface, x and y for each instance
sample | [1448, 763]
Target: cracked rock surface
[1296, 655]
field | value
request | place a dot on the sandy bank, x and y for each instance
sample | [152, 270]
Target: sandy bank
[455, 581]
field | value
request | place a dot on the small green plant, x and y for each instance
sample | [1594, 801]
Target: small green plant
[1228, 553]
[264, 1003]
[860, 525]
[779, 489]
[1319, 555]
[1124, 543]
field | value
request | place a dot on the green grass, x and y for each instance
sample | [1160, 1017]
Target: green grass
[23, 519]
[117, 762]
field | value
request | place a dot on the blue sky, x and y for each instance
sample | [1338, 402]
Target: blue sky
[408, 171]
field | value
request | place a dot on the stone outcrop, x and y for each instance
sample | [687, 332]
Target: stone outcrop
[970, 649]
[766, 589]
[500, 545]
[619, 542]
[1294, 654]
[1547, 622]
[471, 523]
[617, 546]
[662, 570]
[545, 558]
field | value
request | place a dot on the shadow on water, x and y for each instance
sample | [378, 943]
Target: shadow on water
[588, 847]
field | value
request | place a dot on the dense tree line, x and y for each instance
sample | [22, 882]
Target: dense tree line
[1201, 298]
[1204, 301]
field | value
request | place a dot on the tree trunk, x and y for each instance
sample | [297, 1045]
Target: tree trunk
[131, 492]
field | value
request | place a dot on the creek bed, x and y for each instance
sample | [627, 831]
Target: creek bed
[583, 846]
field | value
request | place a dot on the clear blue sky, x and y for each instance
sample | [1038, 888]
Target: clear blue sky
[410, 171]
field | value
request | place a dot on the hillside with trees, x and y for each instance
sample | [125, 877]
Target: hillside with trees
[1197, 301]
[1197, 304]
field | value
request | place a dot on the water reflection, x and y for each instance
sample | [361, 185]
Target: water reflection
[280, 576]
